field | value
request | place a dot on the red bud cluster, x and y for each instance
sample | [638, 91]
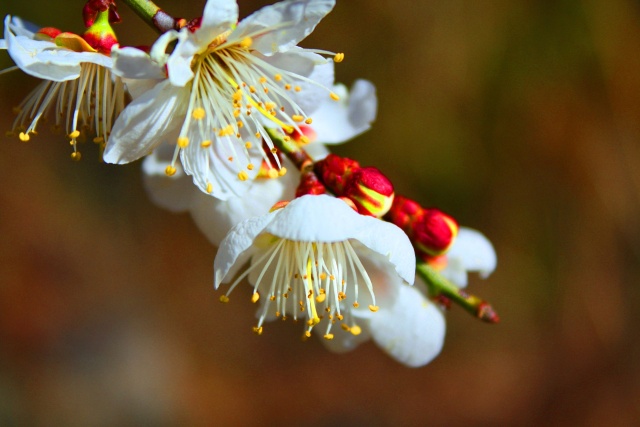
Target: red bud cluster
[431, 231]
[370, 191]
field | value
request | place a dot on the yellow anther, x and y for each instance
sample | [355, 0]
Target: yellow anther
[339, 316]
[332, 277]
[76, 156]
[355, 330]
[74, 134]
[198, 113]
[287, 138]
[239, 124]
[374, 308]
[341, 296]
[205, 144]
[247, 145]
[356, 304]
[236, 113]
[320, 298]
[274, 150]
[323, 276]
[246, 42]
[257, 330]
[270, 105]
[242, 175]
[255, 297]
[334, 96]
[306, 335]
[287, 86]
[309, 120]
[328, 336]
[98, 139]
[258, 135]
[339, 57]
[277, 77]
[183, 141]
[304, 140]
[297, 118]
[250, 166]
[273, 173]
[345, 327]
[273, 298]
[252, 89]
[24, 137]
[266, 90]
[237, 96]
[263, 80]
[170, 170]
[297, 88]
[230, 158]
[282, 171]
[209, 187]
[224, 299]
[313, 321]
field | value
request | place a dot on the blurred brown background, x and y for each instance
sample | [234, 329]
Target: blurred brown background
[521, 118]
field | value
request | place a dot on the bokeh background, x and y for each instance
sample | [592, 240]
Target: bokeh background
[519, 117]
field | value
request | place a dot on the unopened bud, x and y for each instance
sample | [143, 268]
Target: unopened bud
[334, 172]
[404, 212]
[47, 33]
[434, 232]
[370, 191]
[100, 35]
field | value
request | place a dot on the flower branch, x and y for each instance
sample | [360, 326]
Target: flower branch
[154, 16]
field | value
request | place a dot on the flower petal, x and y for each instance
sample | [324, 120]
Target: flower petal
[278, 27]
[175, 193]
[412, 330]
[133, 63]
[336, 122]
[313, 219]
[141, 125]
[218, 16]
[471, 251]
[215, 217]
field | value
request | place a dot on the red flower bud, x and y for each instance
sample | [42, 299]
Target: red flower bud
[47, 33]
[310, 184]
[334, 172]
[434, 232]
[370, 191]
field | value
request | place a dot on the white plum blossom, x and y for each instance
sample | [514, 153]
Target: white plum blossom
[78, 87]
[347, 275]
[227, 85]
[334, 122]
[470, 252]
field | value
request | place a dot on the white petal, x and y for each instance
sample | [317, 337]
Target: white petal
[215, 217]
[342, 341]
[312, 66]
[317, 151]
[3, 44]
[411, 330]
[137, 88]
[133, 63]
[20, 27]
[211, 166]
[218, 16]
[471, 251]
[336, 122]
[282, 25]
[143, 123]
[179, 63]
[328, 219]
[233, 249]
[174, 193]
[158, 51]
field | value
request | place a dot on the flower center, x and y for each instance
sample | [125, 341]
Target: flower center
[235, 96]
[86, 105]
[312, 278]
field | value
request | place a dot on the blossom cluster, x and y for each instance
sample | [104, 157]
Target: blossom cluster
[233, 121]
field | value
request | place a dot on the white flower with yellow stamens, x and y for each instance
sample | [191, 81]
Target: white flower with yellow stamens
[226, 85]
[333, 122]
[78, 85]
[315, 259]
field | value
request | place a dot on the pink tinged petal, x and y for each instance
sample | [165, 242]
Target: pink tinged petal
[174, 193]
[471, 251]
[336, 122]
[143, 123]
[282, 25]
[411, 330]
[133, 63]
[215, 217]
[328, 219]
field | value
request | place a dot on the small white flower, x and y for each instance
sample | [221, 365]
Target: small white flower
[226, 85]
[334, 122]
[78, 84]
[470, 252]
[316, 259]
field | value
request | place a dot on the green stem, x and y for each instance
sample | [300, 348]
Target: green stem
[153, 15]
[293, 151]
[439, 286]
